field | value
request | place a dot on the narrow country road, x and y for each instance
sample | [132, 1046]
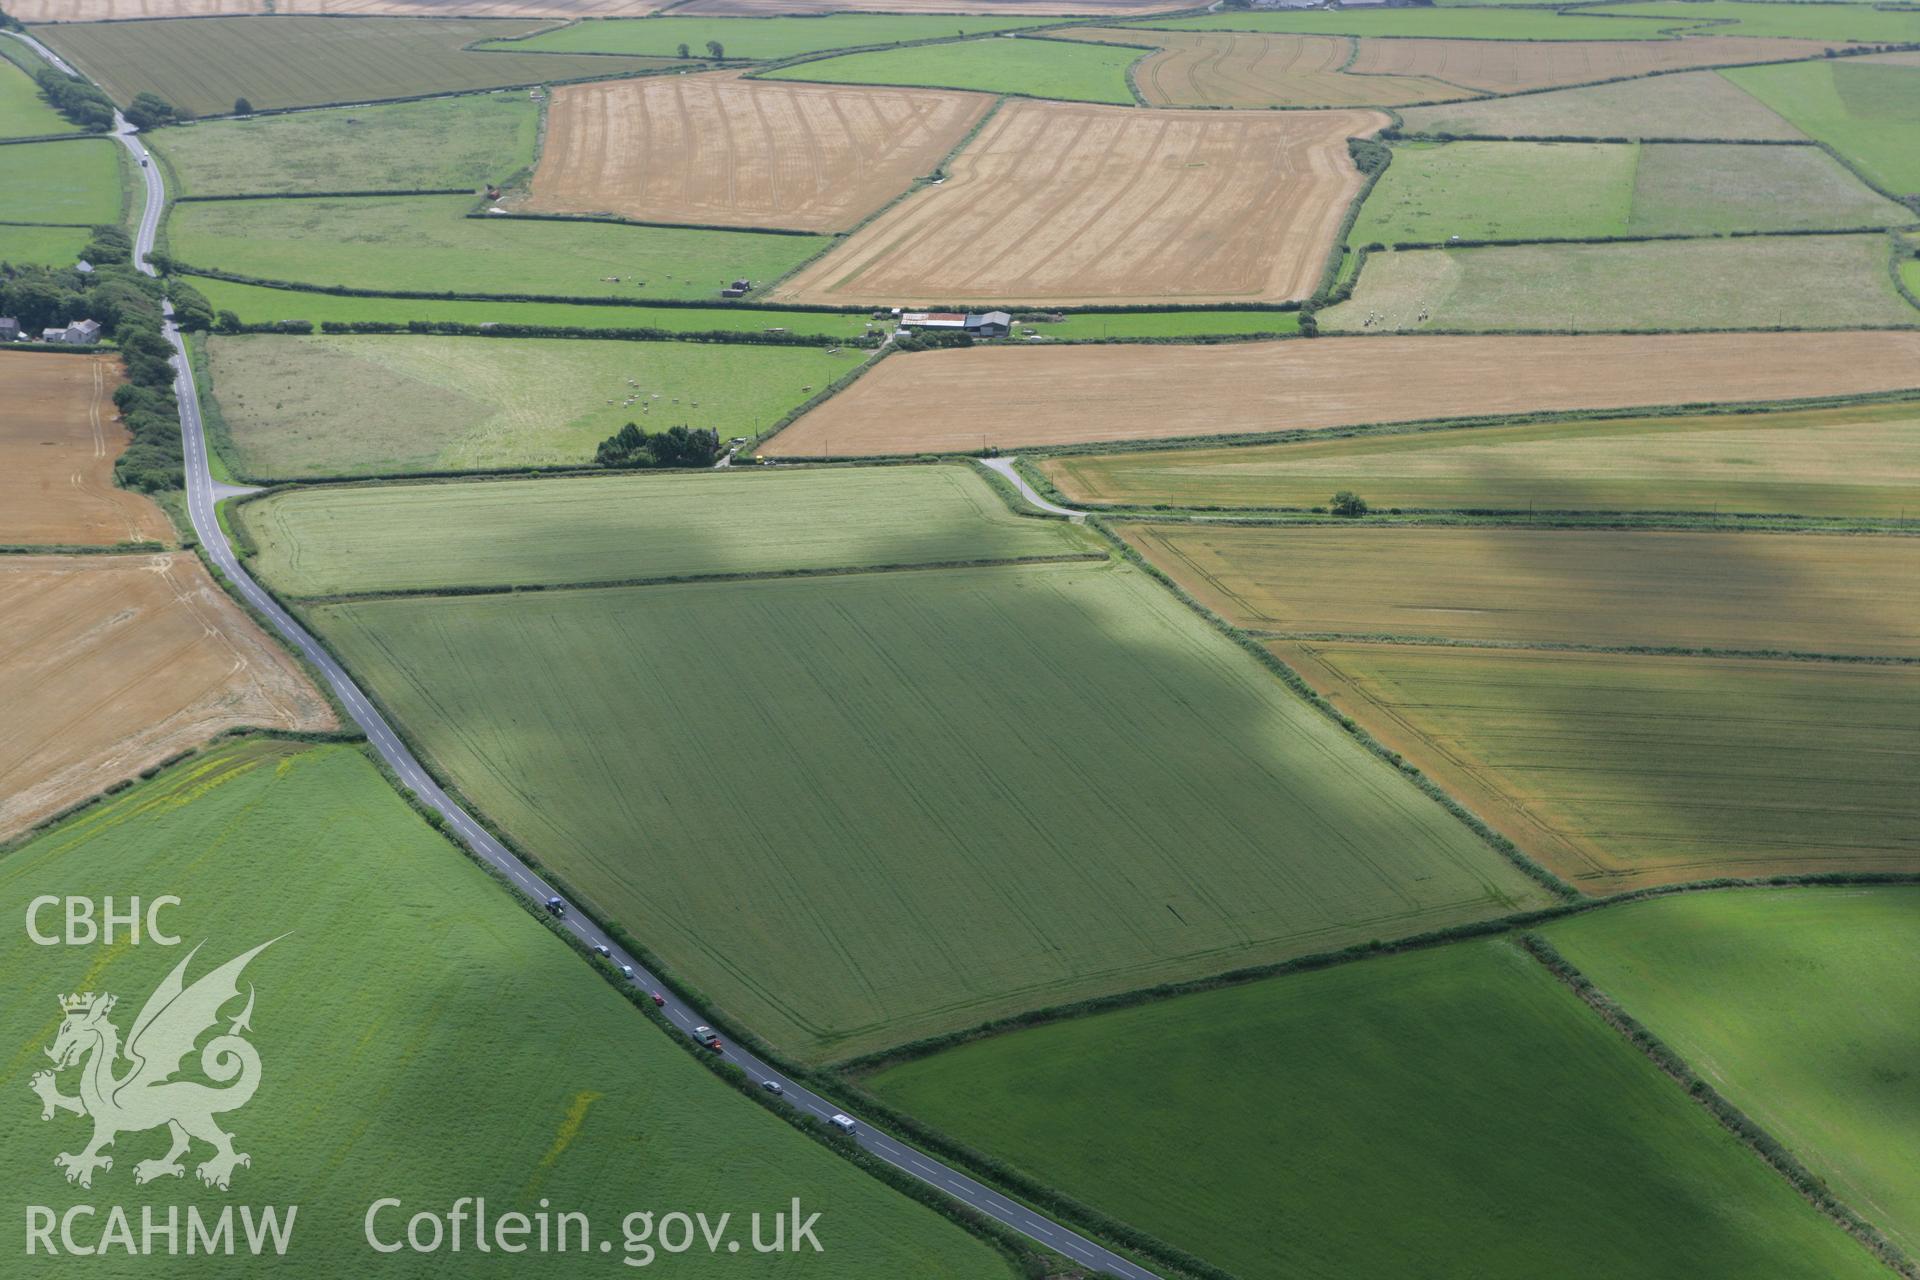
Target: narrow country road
[202, 494]
[1005, 467]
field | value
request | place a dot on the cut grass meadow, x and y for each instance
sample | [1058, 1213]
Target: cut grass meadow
[1694, 104]
[294, 61]
[1568, 190]
[1856, 461]
[429, 244]
[24, 113]
[759, 38]
[1799, 1005]
[257, 304]
[1753, 282]
[316, 542]
[1456, 1103]
[1867, 109]
[421, 1038]
[441, 143]
[933, 787]
[1075, 72]
[75, 181]
[335, 405]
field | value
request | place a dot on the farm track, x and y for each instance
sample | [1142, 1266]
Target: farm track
[202, 494]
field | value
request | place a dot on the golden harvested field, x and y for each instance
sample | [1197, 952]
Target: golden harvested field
[961, 401]
[720, 150]
[1246, 69]
[111, 10]
[109, 664]
[1073, 203]
[1745, 592]
[1620, 771]
[1509, 66]
[59, 437]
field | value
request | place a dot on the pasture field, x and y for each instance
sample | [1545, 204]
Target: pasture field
[335, 405]
[997, 8]
[717, 149]
[932, 785]
[1241, 69]
[761, 38]
[1753, 282]
[1061, 204]
[1005, 397]
[429, 244]
[1798, 1005]
[23, 112]
[474, 8]
[116, 662]
[1553, 586]
[1693, 104]
[54, 246]
[284, 61]
[1832, 22]
[440, 143]
[73, 182]
[256, 304]
[59, 438]
[1435, 23]
[317, 541]
[1456, 1103]
[1035, 68]
[1856, 461]
[420, 1038]
[1621, 771]
[1563, 190]
[1496, 66]
[1867, 109]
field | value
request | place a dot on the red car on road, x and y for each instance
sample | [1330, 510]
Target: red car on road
[659, 1001]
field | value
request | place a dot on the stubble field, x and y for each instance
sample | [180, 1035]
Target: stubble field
[931, 785]
[1512, 66]
[1059, 203]
[116, 662]
[1695, 104]
[1242, 69]
[59, 438]
[1856, 461]
[341, 405]
[716, 149]
[1621, 771]
[967, 400]
[420, 1038]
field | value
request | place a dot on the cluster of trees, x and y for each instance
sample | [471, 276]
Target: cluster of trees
[150, 111]
[714, 50]
[89, 107]
[630, 447]
[933, 340]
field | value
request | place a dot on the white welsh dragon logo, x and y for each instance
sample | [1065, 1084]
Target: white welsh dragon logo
[146, 1095]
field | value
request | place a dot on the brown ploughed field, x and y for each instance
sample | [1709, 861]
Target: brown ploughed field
[748, 153]
[112, 663]
[961, 401]
[1509, 66]
[59, 436]
[1246, 69]
[1060, 203]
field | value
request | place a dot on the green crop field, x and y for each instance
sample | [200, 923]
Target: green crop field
[331, 405]
[762, 38]
[1867, 109]
[204, 65]
[933, 786]
[1833, 281]
[1568, 190]
[1798, 1004]
[440, 143]
[256, 304]
[1458, 24]
[76, 181]
[428, 244]
[420, 1037]
[1077, 71]
[54, 246]
[614, 528]
[1448, 1112]
[1693, 104]
[1622, 770]
[1165, 324]
[23, 112]
[1856, 461]
[1831, 21]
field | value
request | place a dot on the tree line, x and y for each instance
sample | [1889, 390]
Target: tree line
[88, 106]
[630, 448]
